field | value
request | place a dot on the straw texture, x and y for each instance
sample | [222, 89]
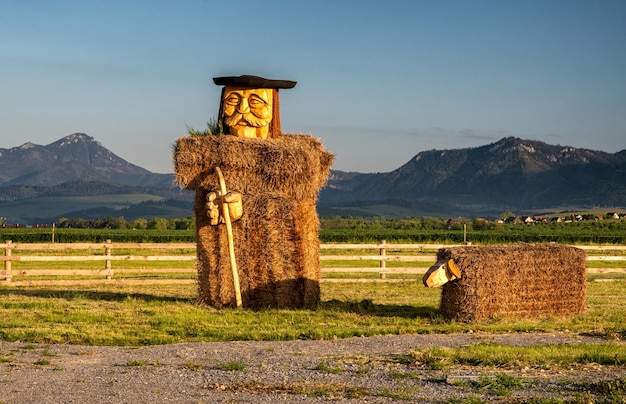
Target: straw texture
[276, 240]
[519, 280]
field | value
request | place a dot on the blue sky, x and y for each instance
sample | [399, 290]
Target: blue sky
[378, 81]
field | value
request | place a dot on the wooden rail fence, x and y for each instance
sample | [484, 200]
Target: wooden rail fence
[418, 254]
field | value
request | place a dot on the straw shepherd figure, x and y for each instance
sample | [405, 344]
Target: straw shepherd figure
[271, 182]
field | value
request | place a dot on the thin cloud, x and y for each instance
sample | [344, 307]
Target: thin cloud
[473, 135]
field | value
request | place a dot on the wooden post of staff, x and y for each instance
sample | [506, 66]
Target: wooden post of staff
[229, 232]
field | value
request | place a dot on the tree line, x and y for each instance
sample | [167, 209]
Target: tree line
[350, 223]
[109, 222]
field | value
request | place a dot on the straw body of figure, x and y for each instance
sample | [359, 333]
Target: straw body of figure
[276, 240]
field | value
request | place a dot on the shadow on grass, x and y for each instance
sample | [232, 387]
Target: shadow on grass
[93, 295]
[367, 307]
[364, 307]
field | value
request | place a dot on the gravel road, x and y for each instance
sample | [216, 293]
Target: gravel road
[372, 369]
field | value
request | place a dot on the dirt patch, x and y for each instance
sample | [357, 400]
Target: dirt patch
[372, 369]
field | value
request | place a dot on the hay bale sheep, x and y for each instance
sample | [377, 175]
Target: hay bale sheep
[519, 280]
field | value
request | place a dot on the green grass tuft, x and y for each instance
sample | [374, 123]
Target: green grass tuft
[233, 366]
[193, 366]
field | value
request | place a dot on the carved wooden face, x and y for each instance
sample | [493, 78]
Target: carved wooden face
[248, 112]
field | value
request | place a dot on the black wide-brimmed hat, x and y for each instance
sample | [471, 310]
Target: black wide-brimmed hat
[253, 82]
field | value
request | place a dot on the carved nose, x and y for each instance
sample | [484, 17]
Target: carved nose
[243, 106]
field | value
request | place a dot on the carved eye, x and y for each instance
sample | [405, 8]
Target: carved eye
[232, 99]
[256, 101]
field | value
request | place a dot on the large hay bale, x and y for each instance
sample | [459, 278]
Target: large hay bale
[518, 280]
[276, 239]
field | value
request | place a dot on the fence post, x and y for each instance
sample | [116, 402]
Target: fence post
[107, 265]
[383, 262]
[8, 251]
[465, 233]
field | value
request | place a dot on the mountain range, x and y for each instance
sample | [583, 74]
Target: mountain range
[509, 175]
[73, 157]
[77, 176]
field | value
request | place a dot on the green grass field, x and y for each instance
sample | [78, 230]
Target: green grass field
[159, 314]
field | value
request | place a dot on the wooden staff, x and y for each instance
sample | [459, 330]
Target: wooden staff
[229, 231]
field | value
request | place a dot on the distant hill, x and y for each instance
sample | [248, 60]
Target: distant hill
[63, 173]
[76, 156]
[509, 175]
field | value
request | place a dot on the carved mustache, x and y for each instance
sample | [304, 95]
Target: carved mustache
[248, 119]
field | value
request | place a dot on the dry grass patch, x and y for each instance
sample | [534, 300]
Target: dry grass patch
[326, 390]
